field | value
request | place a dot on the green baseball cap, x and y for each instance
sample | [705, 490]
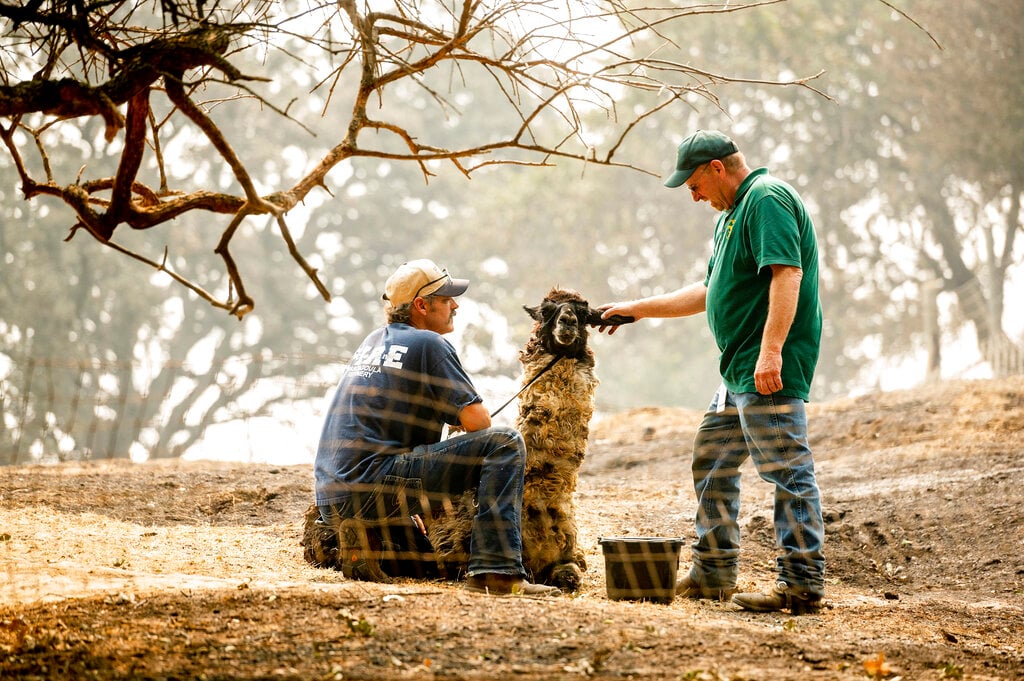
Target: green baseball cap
[696, 150]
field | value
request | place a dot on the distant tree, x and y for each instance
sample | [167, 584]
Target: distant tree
[914, 172]
[313, 116]
[949, 166]
[94, 366]
[150, 71]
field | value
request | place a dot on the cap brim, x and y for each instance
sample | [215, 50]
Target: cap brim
[679, 178]
[452, 288]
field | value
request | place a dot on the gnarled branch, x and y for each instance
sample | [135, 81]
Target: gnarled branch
[545, 71]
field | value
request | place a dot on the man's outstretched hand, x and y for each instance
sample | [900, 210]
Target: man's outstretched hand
[605, 317]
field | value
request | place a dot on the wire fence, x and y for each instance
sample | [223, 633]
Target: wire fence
[266, 409]
[58, 409]
[269, 409]
[983, 346]
[1004, 357]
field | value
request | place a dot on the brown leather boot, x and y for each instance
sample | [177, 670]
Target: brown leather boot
[494, 584]
[782, 597]
[687, 588]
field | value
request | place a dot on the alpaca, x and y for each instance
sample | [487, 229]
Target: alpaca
[554, 420]
[555, 407]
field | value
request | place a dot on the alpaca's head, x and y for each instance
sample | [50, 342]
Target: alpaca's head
[562, 320]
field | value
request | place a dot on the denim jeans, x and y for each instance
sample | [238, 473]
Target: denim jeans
[490, 462]
[772, 430]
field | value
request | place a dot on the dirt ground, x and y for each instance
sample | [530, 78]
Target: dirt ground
[174, 570]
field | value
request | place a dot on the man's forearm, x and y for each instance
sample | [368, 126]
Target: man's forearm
[783, 295]
[683, 302]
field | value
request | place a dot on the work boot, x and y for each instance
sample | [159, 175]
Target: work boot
[687, 588]
[494, 584]
[781, 597]
[359, 548]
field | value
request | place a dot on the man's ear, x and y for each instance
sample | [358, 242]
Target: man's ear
[419, 307]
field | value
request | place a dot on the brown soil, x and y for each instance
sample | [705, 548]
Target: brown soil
[176, 570]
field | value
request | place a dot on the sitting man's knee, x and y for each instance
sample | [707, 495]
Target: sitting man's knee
[515, 439]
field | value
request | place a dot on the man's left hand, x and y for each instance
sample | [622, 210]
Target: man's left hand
[768, 372]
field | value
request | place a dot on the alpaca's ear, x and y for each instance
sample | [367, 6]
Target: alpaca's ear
[534, 312]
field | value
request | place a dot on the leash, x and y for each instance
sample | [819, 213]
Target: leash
[593, 320]
[532, 381]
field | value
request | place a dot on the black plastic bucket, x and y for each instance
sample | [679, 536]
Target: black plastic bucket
[641, 568]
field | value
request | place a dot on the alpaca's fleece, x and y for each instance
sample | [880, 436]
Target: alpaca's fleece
[448, 530]
[554, 414]
[554, 418]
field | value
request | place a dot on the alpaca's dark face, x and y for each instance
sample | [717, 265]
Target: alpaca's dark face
[568, 325]
[562, 326]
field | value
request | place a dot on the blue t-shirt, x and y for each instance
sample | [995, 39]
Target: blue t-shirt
[400, 388]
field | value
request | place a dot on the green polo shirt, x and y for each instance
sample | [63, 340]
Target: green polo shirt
[767, 225]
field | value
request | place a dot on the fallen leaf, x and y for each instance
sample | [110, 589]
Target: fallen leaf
[877, 667]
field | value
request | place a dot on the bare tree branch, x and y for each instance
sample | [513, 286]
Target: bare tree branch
[552, 64]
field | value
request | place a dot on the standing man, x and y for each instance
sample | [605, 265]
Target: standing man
[381, 456]
[761, 297]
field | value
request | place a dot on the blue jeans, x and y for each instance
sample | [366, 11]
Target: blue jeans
[490, 462]
[772, 430]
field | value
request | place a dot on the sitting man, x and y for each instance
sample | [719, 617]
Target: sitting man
[381, 456]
